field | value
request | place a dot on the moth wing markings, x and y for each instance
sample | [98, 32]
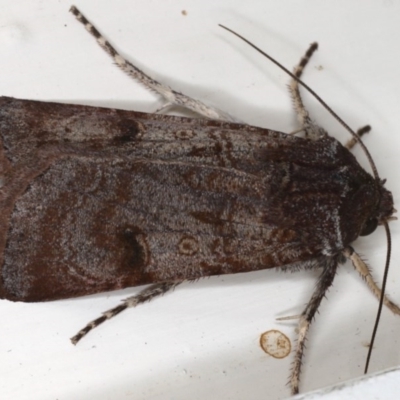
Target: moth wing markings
[249, 155]
[81, 248]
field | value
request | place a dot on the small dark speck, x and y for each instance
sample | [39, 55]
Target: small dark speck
[184, 12]
[319, 67]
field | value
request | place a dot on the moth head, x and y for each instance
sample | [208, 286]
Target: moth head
[385, 211]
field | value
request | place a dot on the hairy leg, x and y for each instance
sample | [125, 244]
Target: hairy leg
[362, 131]
[364, 271]
[171, 96]
[145, 295]
[324, 282]
[311, 129]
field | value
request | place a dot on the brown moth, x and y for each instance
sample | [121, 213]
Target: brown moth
[96, 199]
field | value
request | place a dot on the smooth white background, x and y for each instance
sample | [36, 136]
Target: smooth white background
[202, 340]
[378, 386]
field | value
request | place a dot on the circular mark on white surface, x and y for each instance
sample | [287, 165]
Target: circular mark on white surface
[275, 343]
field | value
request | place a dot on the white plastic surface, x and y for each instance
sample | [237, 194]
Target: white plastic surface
[383, 385]
[202, 341]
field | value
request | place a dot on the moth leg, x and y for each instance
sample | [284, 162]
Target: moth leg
[312, 130]
[296, 131]
[324, 282]
[171, 96]
[365, 273]
[362, 131]
[288, 318]
[145, 295]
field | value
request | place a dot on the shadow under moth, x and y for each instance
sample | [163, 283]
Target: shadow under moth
[96, 199]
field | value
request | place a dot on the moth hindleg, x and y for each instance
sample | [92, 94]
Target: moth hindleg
[324, 282]
[145, 295]
[171, 96]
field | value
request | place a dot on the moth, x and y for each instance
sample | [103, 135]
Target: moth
[96, 199]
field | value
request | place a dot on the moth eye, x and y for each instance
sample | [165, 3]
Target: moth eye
[369, 227]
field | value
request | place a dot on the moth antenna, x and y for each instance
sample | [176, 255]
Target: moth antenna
[322, 102]
[381, 300]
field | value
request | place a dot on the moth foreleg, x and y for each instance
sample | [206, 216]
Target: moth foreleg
[365, 273]
[362, 131]
[171, 96]
[324, 282]
[145, 295]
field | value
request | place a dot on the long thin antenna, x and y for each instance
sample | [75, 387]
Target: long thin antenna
[385, 275]
[329, 109]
